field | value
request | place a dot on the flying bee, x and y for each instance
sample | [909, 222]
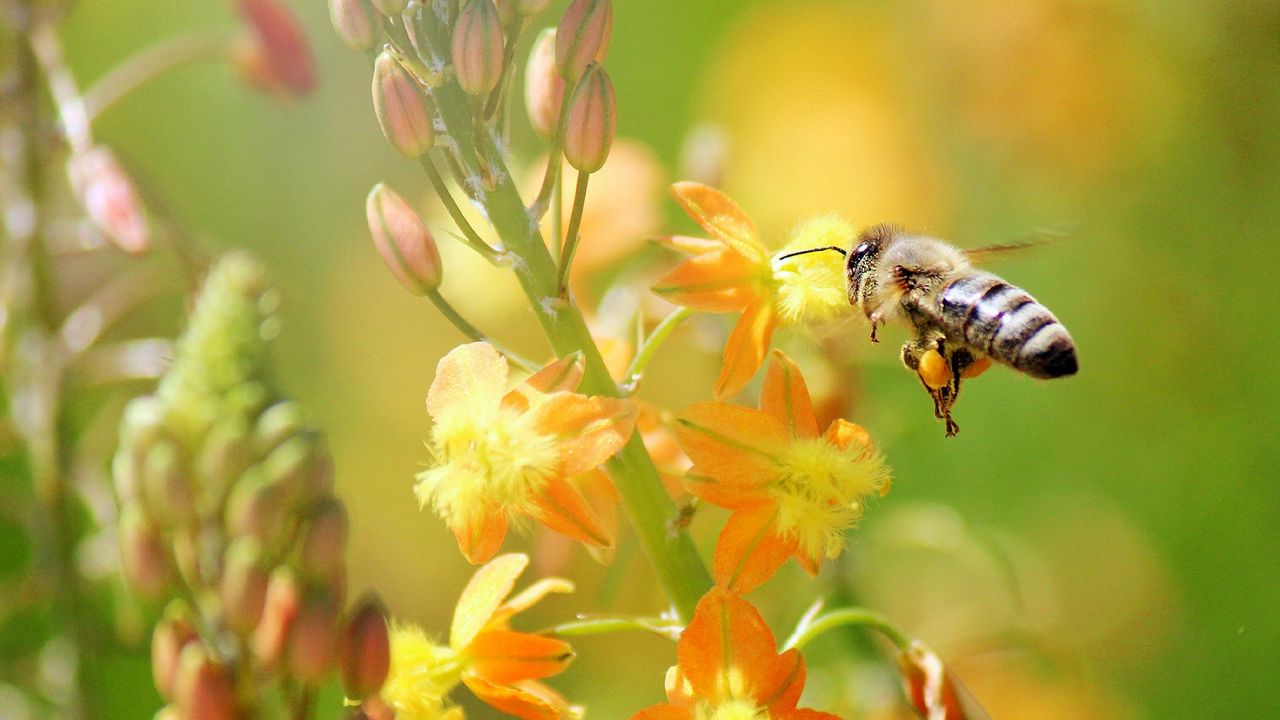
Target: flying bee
[966, 316]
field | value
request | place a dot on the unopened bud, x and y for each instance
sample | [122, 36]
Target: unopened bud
[355, 22]
[390, 7]
[403, 109]
[313, 638]
[477, 47]
[932, 689]
[301, 465]
[543, 86]
[279, 60]
[243, 589]
[277, 424]
[166, 484]
[365, 648]
[171, 635]
[109, 198]
[529, 8]
[278, 614]
[403, 241]
[592, 121]
[257, 508]
[324, 539]
[583, 37]
[204, 687]
[144, 559]
[227, 452]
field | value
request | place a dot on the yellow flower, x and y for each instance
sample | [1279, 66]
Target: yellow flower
[811, 287]
[421, 676]
[504, 455]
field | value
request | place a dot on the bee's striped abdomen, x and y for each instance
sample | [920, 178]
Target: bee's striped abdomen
[1005, 323]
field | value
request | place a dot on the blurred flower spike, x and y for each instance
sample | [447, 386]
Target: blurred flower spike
[728, 668]
[109, 198]
[501, 455]
[500, 666]
[793, 491]
[278, 58]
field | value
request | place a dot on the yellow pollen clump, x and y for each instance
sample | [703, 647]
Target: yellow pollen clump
[420, 677]
[486, 461]
[731, 710]
[811, 288]
[820, 492]
[934, 370]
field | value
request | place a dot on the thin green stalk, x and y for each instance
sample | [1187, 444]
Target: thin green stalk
[649, 349]
[859, 617]
[539, 206]
[557, 212]
[606, 624]
[473, 238]
[151, 62]
[466, 328]
[508, 64]
[571, 240]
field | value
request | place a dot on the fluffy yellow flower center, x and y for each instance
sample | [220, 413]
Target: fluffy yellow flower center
[731, 710]
[811, 288]
[420, 677]
[820, 491]
[485, 462]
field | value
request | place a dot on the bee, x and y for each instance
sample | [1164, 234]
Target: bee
[968, 317]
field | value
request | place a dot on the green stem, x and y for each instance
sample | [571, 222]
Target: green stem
[603, 625]
[553, 159]
[466, 328]
[151, 62]
[860, 617]
[473, 239]
[508, 72]
[649, 349]
[575, 225]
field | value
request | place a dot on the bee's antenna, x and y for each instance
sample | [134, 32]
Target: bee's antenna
[837, 248]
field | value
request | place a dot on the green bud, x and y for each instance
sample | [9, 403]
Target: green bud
[258, 508]
[243, 590]
[477, 47]
[227, 452]
[277, 424]
[167, 485]
[404, 111]
[144, 560]
[390, 7]
[170, 636]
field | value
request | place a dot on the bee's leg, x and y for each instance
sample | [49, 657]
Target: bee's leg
[875, 325]
[943, 396]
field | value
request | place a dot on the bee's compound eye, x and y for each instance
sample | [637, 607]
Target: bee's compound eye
[861, 251]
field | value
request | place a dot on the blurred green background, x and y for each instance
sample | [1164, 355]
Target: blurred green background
[1136, 504]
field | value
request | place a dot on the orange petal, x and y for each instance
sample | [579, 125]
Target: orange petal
[730, 443]
[789, 684]
[750, 550]
[471, 375]
[482, 596]
[482, 540]
[720, 281]
[598, 489]
[664, 712]
[746, 348]
[504, 657]
[692, 245]
[563, 509]
[785, 396]
[562, 375]
[588, 429]
[810, 563]
[729, 494]
[807, 714]
[726, 636]
[530, 596]
[513, 700]
[721, 217]
[845, 435]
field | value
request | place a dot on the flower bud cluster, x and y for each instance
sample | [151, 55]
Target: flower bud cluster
[227, 510]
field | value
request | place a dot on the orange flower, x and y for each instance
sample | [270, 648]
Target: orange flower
[793, 492]
[730, 272]
[504, 455]
[728, 668]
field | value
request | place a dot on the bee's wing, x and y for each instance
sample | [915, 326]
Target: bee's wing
[1040, 238]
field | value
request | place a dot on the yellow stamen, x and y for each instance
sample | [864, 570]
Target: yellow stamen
[820, 492]
[811, 288]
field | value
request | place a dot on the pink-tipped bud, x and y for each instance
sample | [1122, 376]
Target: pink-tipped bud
[144, 559]
[204, 686]
[355, 23]
[243, 589]
[324, 539]
[109, 198]
[313, 638]
[257, 509]
[404, 111]
[592, 121]
[284, 599]
[403, 241]
[583, 37]
[171, 635]
[390, 7]
[279, 59]
[477, 47]
[543, 86]
[364, 655]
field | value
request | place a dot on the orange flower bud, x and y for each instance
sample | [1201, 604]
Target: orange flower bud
[592, 121]
[364, 655]
[313, 639]
[403, 241]
[583, 37]
[243, 589]
[355, 22]
[109, 198]
[477, 47]
[404, 111]
[171, 635]
[324, 539]
[390, 7]
[143, 557]
[204, 688]
[280, 58]
[543, 86]
[284, 600]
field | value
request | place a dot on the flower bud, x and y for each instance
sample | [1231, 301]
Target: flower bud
[477, 47]
[227, 452]
[529, 8]
[109, 198]
[313, 638]
[277, 424]
[355, 22]
[933, 691]
[324, 538]
[403, 241]
[583, 37]
[390, 7]
[144, 559]
[279, 60]
[543, 86]
[302, 466]
[592, 121]
[171, 635]
[243, 589]
[204, 687]
[278, 614]
[257, 508]
[166, 485]
[364, 654]
[404, 111]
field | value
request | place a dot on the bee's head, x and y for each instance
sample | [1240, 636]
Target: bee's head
[864, 259]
